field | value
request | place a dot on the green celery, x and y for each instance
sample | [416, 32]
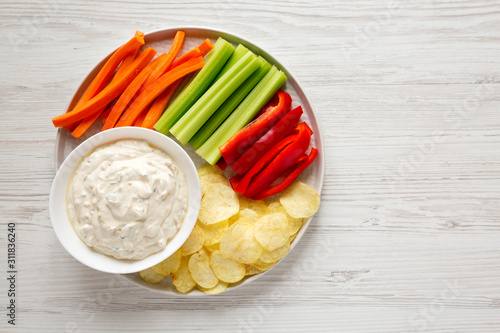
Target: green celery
[214, 62]
[235, 57]
[229, 105]
[248, 108]
[213, 98]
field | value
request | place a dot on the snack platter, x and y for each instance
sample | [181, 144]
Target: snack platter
[161, 40]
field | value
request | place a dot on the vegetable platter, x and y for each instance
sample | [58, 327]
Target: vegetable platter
[161, 41]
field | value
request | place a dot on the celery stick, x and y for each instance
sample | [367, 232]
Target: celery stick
[229, 105]
[214, 61]
[250, 106]
[237, 54]
[213, 98]
[235, 57]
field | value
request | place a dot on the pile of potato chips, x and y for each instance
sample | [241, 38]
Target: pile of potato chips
[234, 237]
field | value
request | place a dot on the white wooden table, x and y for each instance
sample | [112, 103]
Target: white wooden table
[408, 235]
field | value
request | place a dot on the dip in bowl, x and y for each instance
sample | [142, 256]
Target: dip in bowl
[124, 200]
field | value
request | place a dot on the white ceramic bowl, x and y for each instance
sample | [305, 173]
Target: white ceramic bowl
[64, 229]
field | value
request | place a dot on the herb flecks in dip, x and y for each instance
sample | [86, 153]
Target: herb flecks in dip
[127, 199]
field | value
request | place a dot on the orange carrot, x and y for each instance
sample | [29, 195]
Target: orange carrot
[140, 119]
[107, 94]
[130, 92]
[158, 106]
[156, 88]
[107, 70]
[160, 103]
[206, 46]
[105, 114]
[199, 51]
[125, 63]
[171, 55]
[109, 67]
[175, 48]
[86, 123]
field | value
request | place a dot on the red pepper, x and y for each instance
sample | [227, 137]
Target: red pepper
[235, 181]
[267, 141]
[243, 182]
[290, 175]
[269, 106]
[222, 164]
[288, 157]
[240, 142]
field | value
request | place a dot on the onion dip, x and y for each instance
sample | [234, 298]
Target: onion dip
[127, 199]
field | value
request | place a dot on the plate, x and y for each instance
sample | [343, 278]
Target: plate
[161, 41]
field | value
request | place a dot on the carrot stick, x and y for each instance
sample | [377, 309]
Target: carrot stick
[86, 123]
[130, 92]
[156, 88]
[108, 69]
[105, 114]
[105, 73]
[125, 63]
[206, 46]
[159, 104]
[140, 119]
[171, 55]
[175, 48]
[107, 94]
[199, 51]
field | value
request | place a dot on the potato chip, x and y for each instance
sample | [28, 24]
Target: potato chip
[214, 232]
[248, 215]
[272, 231]
[263, 266]
[277, 207]
[181, 278]
[294, 223]
[252, 270]
[168, 265]
[226, 269]
[194, 242]
[199, 267]
[238, 243]
[213, 178]
[150, 276]
[207, 169]
[276, 254]
[300, 200]
[218, 204]
[273, 207]
[213, 247]
[292, 237]
[220, 287]
[259, 206]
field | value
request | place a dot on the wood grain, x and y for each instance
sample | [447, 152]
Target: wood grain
[407, 238]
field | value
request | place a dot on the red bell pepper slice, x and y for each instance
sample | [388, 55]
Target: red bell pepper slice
[267, 141]
[235, 181]
[288, 157]
[243, 182]
[269, 106]
[222, 164]
[290, 175]
[241, 141]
